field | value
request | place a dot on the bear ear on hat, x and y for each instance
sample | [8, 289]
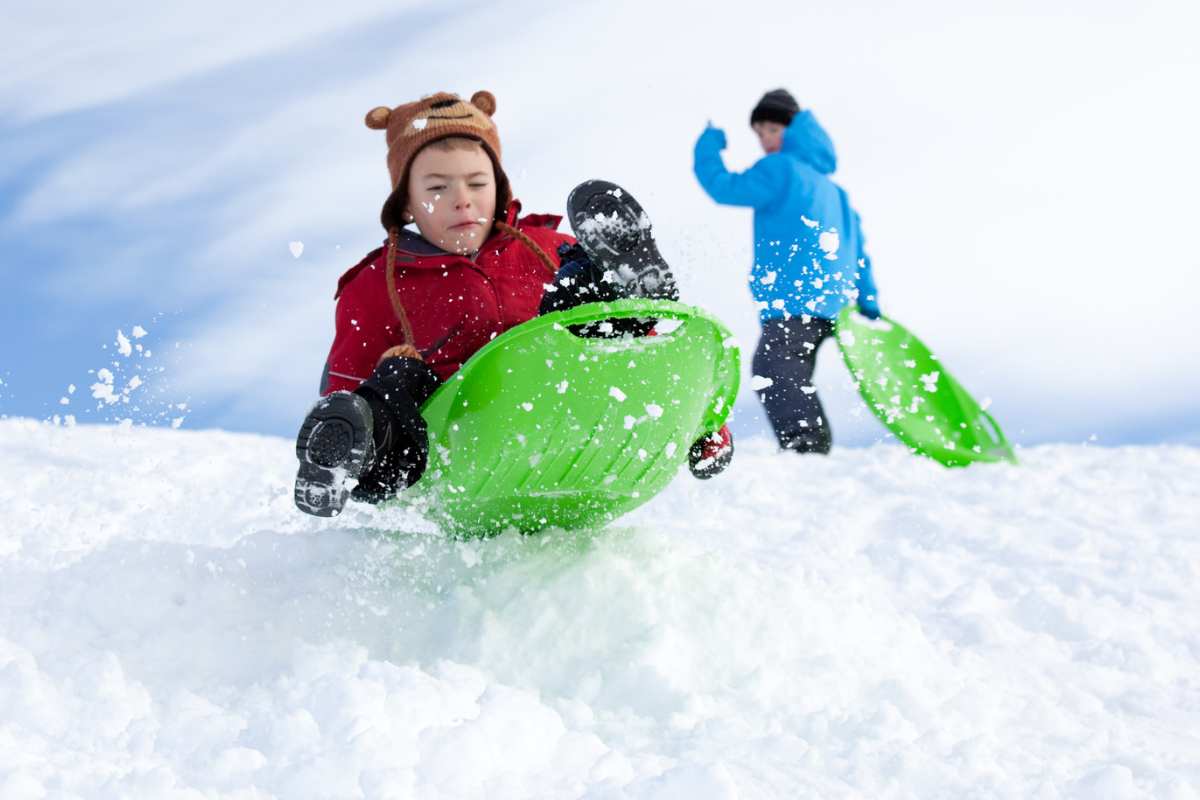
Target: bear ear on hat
[485, 101]
[377, 118]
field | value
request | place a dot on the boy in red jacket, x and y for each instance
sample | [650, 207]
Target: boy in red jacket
[411, 312]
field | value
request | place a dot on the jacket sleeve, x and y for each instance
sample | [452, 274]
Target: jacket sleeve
[756, 187]
[357, 344]
[864, 279]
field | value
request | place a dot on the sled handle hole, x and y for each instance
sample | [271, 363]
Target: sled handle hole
[617, 328]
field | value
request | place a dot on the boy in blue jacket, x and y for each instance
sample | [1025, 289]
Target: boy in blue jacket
[809, 260]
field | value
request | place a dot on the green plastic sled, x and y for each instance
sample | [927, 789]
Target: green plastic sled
[914, 396]
[542, 428]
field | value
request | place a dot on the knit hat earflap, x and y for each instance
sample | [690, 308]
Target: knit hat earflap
[777, 105]
[413, 125]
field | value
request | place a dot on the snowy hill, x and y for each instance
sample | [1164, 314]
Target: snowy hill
[867, 625]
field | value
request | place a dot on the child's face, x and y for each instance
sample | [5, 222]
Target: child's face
[452, 197]
[770, 135]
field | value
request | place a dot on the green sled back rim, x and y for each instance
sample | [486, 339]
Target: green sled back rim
[543, 428]
[914, 396]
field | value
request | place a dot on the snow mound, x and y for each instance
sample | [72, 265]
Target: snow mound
[867, 624]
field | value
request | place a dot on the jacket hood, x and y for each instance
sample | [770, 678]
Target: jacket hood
[807, 140]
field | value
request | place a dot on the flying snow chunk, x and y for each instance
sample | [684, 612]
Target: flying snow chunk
[829, 242]
[297, 248]
[654, 410]
[103, 389]
[666, 326]
[617, 393]
[759, 382]
[123, 345]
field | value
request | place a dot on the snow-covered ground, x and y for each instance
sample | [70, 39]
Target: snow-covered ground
[866, 625]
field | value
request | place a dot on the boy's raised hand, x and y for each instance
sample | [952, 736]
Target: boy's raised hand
[712, 137]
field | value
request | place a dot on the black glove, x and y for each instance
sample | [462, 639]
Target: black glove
[395, 391]
[576, 282]
[396, 469]
[579, 281]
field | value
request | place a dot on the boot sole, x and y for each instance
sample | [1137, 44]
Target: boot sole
[334, 445]
[615, 232]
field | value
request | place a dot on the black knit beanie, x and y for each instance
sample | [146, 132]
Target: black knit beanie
[777, 105]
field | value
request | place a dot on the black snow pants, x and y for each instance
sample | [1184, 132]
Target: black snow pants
[395, 391]
[786, 356]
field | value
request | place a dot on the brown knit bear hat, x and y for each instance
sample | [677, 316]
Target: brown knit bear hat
[413, 125]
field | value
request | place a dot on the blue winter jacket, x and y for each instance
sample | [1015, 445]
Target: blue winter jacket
[808, 245]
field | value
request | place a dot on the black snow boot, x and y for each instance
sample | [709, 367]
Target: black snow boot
[615, 233]
[335, 444]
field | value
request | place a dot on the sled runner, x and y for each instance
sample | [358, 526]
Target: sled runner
[913, 395]
[546, 428]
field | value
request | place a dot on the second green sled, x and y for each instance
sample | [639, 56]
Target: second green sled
[913, 395]
[544, 428]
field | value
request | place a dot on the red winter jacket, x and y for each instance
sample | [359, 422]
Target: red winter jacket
[447, 306]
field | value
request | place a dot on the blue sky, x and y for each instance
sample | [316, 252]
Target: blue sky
[1025, 179]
